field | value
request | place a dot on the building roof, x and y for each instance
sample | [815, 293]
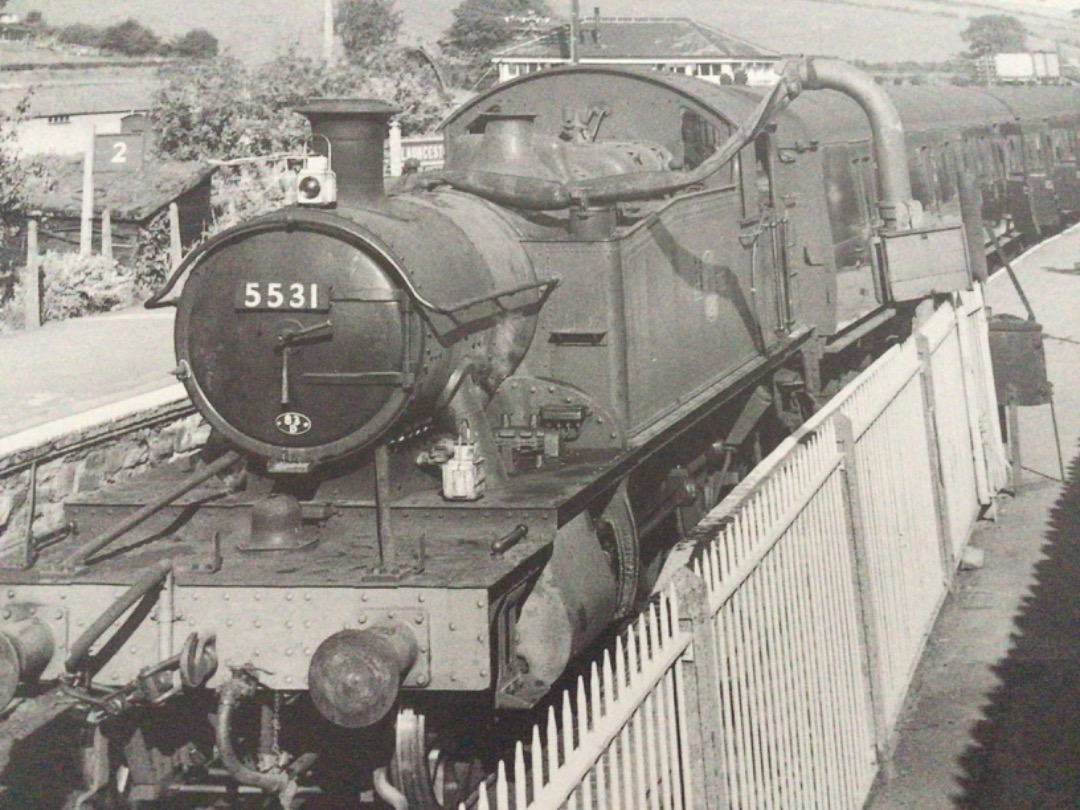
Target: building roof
[132, 197]
[82, 97]
[637, 38]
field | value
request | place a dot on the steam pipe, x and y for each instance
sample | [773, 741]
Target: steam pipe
[890, 150]
[82, 554]
[148, 582]
[232, 693]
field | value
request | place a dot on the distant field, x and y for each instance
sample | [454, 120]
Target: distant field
[21, 55]
[878, 30]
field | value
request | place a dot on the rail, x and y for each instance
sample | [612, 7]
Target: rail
[771, 671]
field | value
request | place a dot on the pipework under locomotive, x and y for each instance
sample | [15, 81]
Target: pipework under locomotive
[456, 428]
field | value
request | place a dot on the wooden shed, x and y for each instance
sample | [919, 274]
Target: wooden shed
[134, 201]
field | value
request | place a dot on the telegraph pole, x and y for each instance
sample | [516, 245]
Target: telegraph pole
[328, 31]
[575, 30]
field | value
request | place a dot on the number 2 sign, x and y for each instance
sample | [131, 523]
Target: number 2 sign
[118, 153]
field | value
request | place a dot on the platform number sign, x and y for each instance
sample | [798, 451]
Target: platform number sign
[119, 153]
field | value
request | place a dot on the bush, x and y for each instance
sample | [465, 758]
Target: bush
[130, 38]
[73, 285]
[13, 311]
[153, 256]
[80, 34]
[83, 285]
[249, 190]
[198, 43]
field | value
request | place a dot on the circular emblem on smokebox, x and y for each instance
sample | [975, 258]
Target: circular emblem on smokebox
[292, 423]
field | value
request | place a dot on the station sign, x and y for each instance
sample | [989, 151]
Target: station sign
[119, 153]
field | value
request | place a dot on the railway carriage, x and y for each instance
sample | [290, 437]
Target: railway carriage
[459, 427]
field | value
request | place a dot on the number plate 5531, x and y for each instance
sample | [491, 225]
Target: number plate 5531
[284, 295]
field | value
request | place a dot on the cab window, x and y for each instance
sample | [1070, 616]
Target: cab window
[701, 138]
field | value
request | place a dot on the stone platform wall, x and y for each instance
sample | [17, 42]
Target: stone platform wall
[44, 466]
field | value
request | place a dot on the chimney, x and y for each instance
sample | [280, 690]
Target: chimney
[356, 131]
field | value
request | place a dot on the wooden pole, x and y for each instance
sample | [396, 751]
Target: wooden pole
[1014, 442]
[328, 31]
[32, 276]
[397, 155]
[175, 248]
[575, 29]
[86, 230]
[106, 234]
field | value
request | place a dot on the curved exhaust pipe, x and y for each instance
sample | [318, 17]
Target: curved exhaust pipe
[898, 210]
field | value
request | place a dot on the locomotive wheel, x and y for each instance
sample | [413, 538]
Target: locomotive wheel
[430, 778]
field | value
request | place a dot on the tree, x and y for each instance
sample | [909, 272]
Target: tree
[80, 34]
[220, 109]
[365, 26]
[130, 38]
[481, 26]
[13, 172]
[994, 33]
[198, 43]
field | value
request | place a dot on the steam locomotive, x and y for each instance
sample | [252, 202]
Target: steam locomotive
[458, 428]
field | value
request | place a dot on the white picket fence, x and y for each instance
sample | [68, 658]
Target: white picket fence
[772, 672]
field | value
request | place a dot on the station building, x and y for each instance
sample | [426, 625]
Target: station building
[675, 44]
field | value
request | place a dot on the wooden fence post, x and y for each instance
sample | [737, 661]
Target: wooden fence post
[869, 639]
[176, 252]
[86, 225]
[31, 281]
[106, 234]
[941, 504]
[701, 682]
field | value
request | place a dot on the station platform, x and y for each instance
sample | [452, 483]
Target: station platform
[70, 367]
[993, 717]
